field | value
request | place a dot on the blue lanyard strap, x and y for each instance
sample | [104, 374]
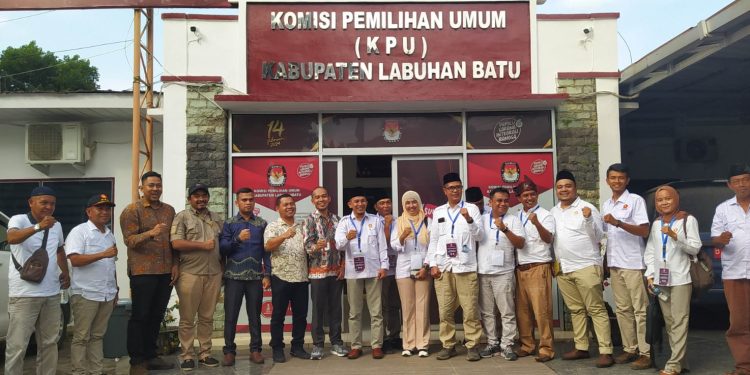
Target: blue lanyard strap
[416, 231]
[665, 237]
[527, 217]
[359, 231]
[497, 229]
[453, 219]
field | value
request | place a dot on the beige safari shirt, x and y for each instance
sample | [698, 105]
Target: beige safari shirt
[193, 226]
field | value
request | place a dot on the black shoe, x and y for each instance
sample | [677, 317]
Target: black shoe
[159, 364]
[299, 353]
[278, 355]
[187, 365]
[209, 362]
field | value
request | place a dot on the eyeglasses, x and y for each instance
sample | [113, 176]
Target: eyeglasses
[454, 188]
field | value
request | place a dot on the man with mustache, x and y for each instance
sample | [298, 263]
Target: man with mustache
[578, 228]
[195, 237]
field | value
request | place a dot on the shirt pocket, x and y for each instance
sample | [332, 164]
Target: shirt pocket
[623, 213]
[574, 221]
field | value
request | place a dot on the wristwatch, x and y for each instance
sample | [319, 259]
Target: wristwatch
[505, 229]
[37, 227]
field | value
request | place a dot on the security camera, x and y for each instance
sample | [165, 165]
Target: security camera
[588, 30]
[194, 29]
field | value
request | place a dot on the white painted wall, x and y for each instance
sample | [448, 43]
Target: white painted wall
[563, 47]
[214, 52]
[175, 145]
[111, 159]
[608, 113]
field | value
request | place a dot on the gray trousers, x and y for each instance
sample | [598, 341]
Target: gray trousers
[498, 290]
[29, 314]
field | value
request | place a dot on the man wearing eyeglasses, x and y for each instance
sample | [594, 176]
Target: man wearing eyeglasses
[455, 229]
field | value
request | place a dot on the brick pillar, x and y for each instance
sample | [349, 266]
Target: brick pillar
[577, 142]
[207, 159]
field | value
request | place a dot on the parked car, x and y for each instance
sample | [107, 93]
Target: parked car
[5, 262]
[700, 198]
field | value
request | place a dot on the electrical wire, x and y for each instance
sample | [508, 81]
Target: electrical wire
[630, 54]
[24, 17]
[93, 46]
[56, 65]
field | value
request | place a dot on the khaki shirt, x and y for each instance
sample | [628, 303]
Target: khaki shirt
[193, 226]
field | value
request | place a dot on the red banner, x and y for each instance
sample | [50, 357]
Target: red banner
[270, 177]
[388, 52]
[489, 171]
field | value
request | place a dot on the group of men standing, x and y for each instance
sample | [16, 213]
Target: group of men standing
[481, 259]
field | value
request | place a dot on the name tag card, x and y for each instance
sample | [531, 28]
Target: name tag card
[451, 249]
[359, 264]
[663, 276]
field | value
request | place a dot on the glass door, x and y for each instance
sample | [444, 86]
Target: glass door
[423, 174]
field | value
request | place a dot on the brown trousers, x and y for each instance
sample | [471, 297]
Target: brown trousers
[534, 304]
[738, 334]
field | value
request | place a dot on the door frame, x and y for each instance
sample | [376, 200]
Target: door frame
[394, 171]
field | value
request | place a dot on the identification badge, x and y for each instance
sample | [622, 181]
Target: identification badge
[664, 276]
[392, 261]
[359, 264]
[451, 249]
[416, 261]
[497, 256]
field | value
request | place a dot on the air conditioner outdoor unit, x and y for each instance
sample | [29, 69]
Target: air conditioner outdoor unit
[55, 143]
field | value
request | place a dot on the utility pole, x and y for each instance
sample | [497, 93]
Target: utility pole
[143, 63]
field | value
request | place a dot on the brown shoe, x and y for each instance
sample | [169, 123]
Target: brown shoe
[626, 357]
[543, 358]
[575, 354]
[377, 353]
[605, 360]
[139, 369]
[354, 353]
[668, 372]
[228, 359]
[522, 353]
[257, 358]
[643, 362]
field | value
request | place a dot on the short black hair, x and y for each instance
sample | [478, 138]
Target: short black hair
[619, 167]
[244, 190]
[499, 190]
[282, 196]
[149, 174]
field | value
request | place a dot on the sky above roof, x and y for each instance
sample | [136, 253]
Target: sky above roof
[105, 36]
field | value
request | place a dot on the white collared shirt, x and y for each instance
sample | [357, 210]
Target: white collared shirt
[577, 238]
[410, 254]
[50, 285]
[735, 257]
[464, 234]
[535, 250]
[677, 260]
[494, 241]
[370, 245]
[625, 250]
[392, 253]
[94, 281]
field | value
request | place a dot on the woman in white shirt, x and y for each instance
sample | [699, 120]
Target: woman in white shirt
[411, 238]
[674, 238]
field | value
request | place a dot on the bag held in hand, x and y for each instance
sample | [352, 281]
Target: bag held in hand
[35, 267]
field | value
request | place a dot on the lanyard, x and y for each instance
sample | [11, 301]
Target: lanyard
[497, 230]
[359, 231]
[664, 238]
[416, 231]
[453, 219]
[527, 217]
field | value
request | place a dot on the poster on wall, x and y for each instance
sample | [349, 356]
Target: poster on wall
[272, 176]
[509, 130]
[489, 171]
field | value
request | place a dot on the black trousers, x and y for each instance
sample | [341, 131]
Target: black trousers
[234, 290]
[326, 300]
[282, 294]
[150, 298]
[391, 309]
